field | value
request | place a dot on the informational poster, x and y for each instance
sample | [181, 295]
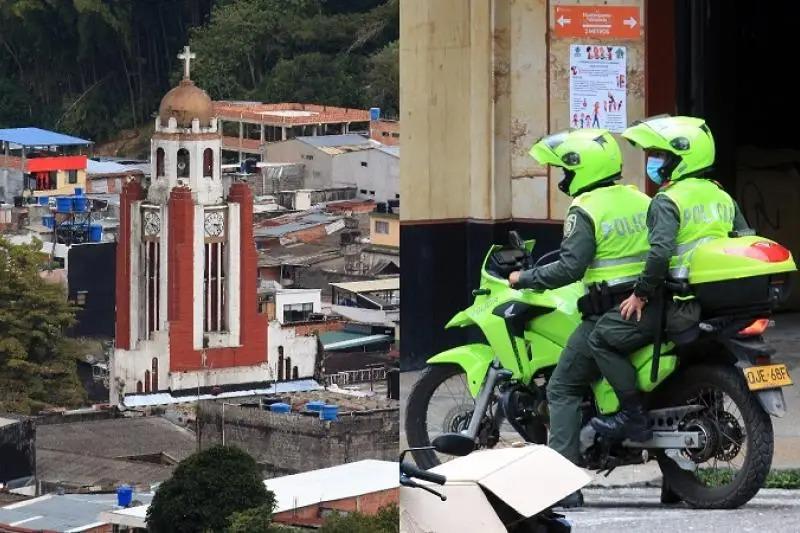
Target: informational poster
[598, 82]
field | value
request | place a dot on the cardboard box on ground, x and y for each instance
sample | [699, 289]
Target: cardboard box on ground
[768, 192]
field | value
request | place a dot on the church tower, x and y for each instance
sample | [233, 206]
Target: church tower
[187, 312]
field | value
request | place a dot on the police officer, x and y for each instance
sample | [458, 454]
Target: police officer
[688, 210]
[604, 244]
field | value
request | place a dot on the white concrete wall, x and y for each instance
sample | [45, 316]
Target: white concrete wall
[225, 376]
[301, 348]
[128, 366]
[317, 170]
[382, 173]
[297, 296]
[206, 191]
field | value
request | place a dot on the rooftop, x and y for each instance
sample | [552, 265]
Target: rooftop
[391, 150]
[79, 470]
[164, 398]
[287, 114]
[31, 137]
[334, 483]
[118, 438]
[97, 168]
[341, 340]
[68, 512]
[283, 225]
[340, 144]
[386, 284]
[308, 488]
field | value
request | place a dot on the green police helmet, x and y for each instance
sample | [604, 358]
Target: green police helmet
[688, 139]
[588, 157]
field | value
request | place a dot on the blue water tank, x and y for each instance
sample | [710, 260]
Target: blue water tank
[48, 221]
[80, 203]
[315, 406]
[78, 191]
[280, 408]
[124, 495]
[95, 232]
[329, 412]
[64, 204]
[374, 113]
[43, 200]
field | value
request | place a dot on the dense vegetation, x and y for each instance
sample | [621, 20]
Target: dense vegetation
[95, 67]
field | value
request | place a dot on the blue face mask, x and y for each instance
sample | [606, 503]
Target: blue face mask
[654, 164]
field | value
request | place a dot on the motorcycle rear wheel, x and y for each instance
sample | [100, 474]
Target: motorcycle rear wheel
[748, 437]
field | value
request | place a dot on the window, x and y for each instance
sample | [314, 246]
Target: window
[363, 163]
[396, 196]
[72, 177]
[155, 374]
[385, 133]
[147, 381]
[372, 193]
[280, 367]
[183, 163]
[307, 157]
[159, 162]
[139, 386]
[80, 297]
[382, 227]
[214, 287]
[396, 135]
[288, 367]
[363, 191]
[150, 285]
[208, 163]
[295, 373]
[297, 312]
[53, 177]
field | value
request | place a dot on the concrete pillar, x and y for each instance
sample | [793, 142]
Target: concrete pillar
[262, 133]
[283, 133]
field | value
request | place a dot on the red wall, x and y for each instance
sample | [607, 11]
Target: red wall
[253, 326]
[65, 162]
[131, 193]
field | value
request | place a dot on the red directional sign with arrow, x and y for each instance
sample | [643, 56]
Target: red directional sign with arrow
[598, 22]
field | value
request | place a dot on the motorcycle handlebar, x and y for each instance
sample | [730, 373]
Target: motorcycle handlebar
[412, 471]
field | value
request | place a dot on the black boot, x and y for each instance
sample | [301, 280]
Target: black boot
[571, 501]
[631, 422]
[668, 496]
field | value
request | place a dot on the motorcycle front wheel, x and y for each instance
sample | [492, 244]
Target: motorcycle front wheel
[440, 402]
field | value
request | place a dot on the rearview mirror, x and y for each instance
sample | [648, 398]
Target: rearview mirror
[515, 240]
[454, 444]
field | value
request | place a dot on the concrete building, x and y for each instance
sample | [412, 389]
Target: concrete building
[37, 162]
[248, 126]
[344, 161]
[109, 176]
[187, 313]
[17, 451]
[307, 499]
[289, 443]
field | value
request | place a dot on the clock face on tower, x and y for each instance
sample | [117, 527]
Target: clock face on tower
[215, 224]
[151, 223]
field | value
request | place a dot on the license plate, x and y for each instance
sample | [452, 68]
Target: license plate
[767, 377]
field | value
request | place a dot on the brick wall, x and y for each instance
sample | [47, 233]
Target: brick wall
[291, 443]
[312, 515]
[385, 131]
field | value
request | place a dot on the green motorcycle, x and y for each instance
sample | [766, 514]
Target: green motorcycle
[709, 400]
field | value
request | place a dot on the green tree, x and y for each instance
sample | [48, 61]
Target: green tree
[37, 366]
[387, 520]
[207, 488]
[255, 520]
[383, 78]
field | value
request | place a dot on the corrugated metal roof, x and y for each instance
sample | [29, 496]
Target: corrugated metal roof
[335, 483]
[340, 340]
[109, 167]
[334, 141]
[62, 513]
[391, 150]
[386, 284]
[164, 398]
[39, 137]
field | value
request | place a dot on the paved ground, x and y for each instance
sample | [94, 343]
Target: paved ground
[627, 499]
[638, 510]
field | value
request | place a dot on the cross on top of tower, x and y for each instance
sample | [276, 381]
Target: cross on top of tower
[187, 57]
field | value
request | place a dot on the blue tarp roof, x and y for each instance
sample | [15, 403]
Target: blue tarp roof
[39, 137]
